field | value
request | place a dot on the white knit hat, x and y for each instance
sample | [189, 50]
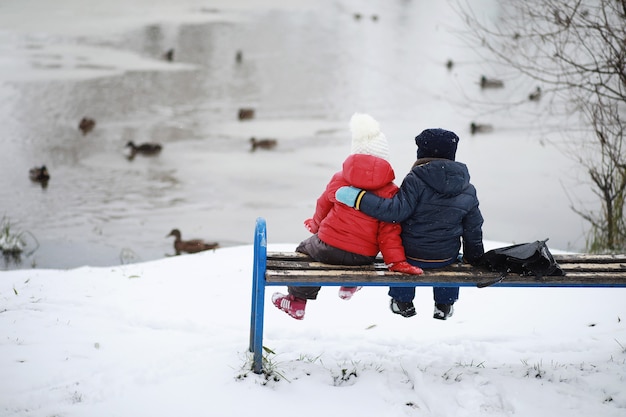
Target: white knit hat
[367, 137]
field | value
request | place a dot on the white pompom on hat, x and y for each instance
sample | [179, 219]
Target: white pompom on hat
[367, 137]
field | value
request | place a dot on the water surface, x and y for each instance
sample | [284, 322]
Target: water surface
[305, 71]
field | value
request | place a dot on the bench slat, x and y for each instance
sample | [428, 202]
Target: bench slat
[318, 266]
[604, 267]
[468, 277]
[586, 258]
[560, 258]
[312, 265]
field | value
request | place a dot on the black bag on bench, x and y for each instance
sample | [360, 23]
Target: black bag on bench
[532, 258]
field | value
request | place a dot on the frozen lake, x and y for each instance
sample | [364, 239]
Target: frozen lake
[306, 69]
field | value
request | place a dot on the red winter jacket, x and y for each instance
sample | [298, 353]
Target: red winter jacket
[346, 228]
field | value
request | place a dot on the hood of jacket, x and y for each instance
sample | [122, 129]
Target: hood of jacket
[367, 172]
[443, 175]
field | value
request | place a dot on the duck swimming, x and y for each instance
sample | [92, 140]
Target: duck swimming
[535, 95]
[86, 125]
[480, 128]
[39, 174]
[246, 113]
[262, 143]
[144, 149]
[190, 246]
[490, 83]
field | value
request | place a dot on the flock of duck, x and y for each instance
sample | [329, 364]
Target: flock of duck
[41, 174]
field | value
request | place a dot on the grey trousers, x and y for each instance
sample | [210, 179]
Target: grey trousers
[327, 254]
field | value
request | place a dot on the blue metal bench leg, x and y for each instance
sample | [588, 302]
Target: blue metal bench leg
[258, 295]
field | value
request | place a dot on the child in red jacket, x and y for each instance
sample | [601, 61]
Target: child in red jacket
[342, 235]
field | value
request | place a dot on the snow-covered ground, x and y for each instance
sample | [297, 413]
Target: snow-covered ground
[170, 337]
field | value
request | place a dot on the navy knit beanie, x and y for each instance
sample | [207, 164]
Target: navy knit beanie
[436, 143]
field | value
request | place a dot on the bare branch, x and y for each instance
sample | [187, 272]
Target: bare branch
[578, 49]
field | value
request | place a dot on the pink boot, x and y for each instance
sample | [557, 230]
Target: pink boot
[291, 305]
[346, 293]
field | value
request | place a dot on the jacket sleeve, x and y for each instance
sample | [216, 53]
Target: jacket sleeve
[324, 202]
[390, 242]
[395, 209]
[473, 248]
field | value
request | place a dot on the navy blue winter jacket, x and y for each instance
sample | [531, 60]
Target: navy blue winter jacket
[437, 207]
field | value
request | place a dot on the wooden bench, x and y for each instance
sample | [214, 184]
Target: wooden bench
[296, 269]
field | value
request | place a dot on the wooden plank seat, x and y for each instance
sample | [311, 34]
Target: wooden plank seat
[297, 269]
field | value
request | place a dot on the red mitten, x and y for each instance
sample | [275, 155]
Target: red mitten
[405, 268]
[311, 226]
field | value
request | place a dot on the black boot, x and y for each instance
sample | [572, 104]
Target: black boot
[404, 309]
[443, 311]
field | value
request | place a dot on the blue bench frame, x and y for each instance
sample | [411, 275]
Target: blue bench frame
[582, 271]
